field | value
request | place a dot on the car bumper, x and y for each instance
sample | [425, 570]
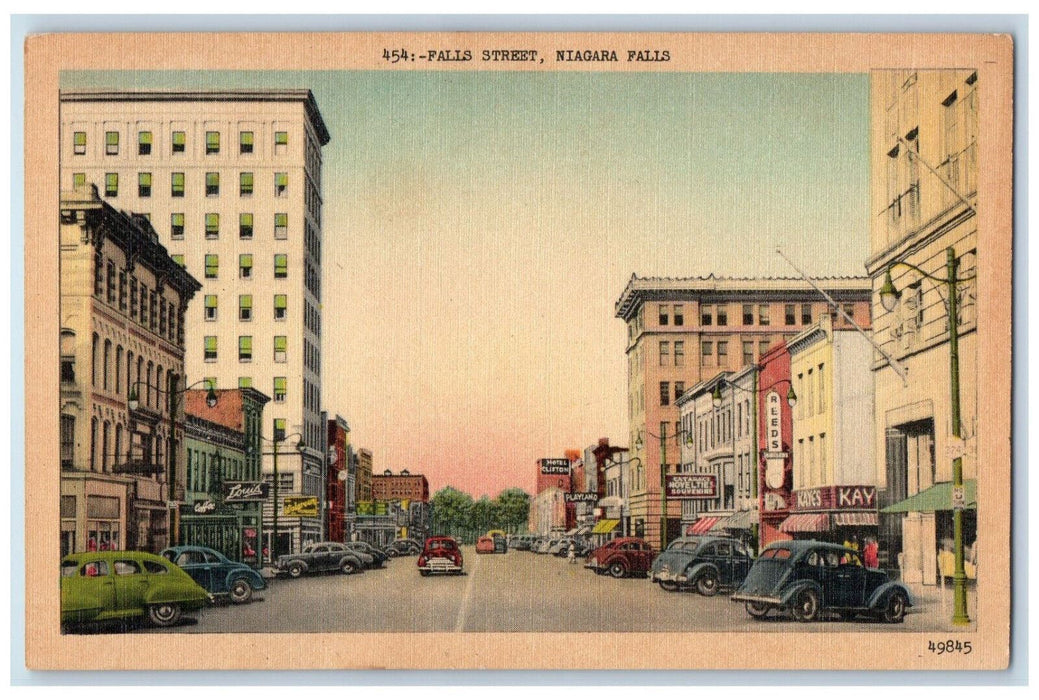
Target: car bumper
[668, 576]
[760, 599]
[440, 566]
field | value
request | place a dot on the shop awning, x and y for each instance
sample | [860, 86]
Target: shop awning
[854, 519]
[703, 525]
[741, 520]
[806, 522]
[583, 530]
[611, 502]
[936, 498]
[604, 526]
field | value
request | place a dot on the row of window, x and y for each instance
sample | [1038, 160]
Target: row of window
[810, 461]
[246, 184]
[665, 392]
[106, 373]
[245, 307]
[810, 388]
[178, 142]
[207, 471]
[245, 265]
[752, 314]
[146, 306]
[246, 226]
[245, 348]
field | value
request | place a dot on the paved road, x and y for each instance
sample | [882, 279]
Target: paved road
[516, 592]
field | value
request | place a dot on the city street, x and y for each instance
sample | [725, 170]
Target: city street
[515, 592]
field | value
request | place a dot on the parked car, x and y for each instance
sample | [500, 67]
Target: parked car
[621, 557]
[97, 586]
[379, 557]
[440, 555]
[703, 563]
[500, 544]
[520, 542]
[322, 556]
[581, 548]
[808, 578]
[216, 573]
[404, 548]
[485, 545]
[546, 545]
[560, 547]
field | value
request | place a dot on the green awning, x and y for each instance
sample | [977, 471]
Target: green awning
[936, 498]
[604, 526]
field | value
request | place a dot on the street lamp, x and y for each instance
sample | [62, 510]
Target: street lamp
[889, 298]
[279, 437]
[133, 401]
[663, 472]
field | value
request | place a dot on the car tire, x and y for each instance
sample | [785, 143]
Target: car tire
[618, 570]
[295, 569]
[895, 607]
[707, 584]
[348, 567]
[423, 572]
[164, 614]
[668, 585]
[806, 606]
[758, 610]
[240, 591]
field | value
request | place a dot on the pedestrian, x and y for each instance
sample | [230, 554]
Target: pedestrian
[571, 554]
[870, 554]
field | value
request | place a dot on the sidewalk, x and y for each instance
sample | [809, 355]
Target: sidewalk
[932, 606]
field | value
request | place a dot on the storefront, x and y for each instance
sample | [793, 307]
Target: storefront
[93, 513]
[834, 514]
[927, 516]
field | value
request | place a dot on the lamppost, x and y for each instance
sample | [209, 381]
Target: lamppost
[889, 298]
[133, 401]
[279, 437]
[663, 472]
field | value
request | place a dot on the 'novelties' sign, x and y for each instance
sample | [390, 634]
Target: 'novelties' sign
[679, 486]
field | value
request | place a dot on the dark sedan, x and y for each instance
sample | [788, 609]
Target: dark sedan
[809, 577]
[703, 563]
[216, 573]
[379, 556]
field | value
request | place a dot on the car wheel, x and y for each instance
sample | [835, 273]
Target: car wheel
[164, 614]
[240, 591]
[806, 606]
[295, 570]
[348, 567]
[422, 572]
[668, 585]
[618, 570]
[758, 610]
[895, 607]
[707, 584]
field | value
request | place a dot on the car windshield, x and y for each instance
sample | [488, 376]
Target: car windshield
[442, 544]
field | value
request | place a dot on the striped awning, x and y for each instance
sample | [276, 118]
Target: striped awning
[741, 520]
[806, 522]
[702, 526]
[855, 519]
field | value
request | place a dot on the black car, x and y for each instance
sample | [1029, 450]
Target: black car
[808, 577]
[403, 548]
[379, 556]
[703, 563]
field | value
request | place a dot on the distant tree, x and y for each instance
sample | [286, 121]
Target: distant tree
[457, 514]
[513, 509]
[451, 511]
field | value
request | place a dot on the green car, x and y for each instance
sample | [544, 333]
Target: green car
[98, 586]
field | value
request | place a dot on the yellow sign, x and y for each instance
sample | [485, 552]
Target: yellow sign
[300, 506]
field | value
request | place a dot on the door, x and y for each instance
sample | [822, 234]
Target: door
[850, 579]
[91, 585]
[740, 563]
[319, 558]
[723, 560]
[194, 564]
[130, 584]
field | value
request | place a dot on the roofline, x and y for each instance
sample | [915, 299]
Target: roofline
[244, 95]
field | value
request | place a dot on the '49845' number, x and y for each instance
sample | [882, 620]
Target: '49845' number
[949, 646]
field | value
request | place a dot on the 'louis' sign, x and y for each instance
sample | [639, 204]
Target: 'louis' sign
[245, 491]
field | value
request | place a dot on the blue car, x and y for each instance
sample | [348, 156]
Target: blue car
[216, 573]
[703, 563]
[807, 578]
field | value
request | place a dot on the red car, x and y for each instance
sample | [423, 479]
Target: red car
[440, 555]
[485, 545]
[622, 557]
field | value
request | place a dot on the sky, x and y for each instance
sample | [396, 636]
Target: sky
[479, 227]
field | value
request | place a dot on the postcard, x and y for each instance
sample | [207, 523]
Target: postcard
[518, 351]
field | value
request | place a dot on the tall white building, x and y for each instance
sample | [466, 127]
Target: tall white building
[231, 181]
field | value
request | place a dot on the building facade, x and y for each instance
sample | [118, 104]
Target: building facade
[403, 486]
[231, 181]
[833, 463]
[364, 475]
[682, 331]
[923, 136]
[339, 486]
[548, 511]
[775, 420]
[123, 303]
[224, 490]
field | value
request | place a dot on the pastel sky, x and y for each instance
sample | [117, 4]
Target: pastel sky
[479, 227]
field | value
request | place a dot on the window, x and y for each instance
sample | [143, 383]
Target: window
[789, 316]
[79, 180]
[748, 352]
[679, 315]
[245, 307]
[822, 389]
[110, 283]
[281, 184]
[280, 307]
[723, 315]
[177, 225]
[212, 142]
[245, 225]
[245, 184]
[212, 184]
[723, 352]
[665, 393]
[210, 307]
[144, 143]
[679, 390]
[210, 346]
[281, 141]
[665, 352]
[281, 265]
[849, 309]
[806, 314]
[281, 344]
[762, 347]
[662, 315]
[245, 382]
[212, 226]
[706, 352]
[679, 353]
[212, 265]
[111, 143]
[763, 315]
[178, 141]
[245, 348]
[281, 225]
[245, 266]
[111, 184]
[245, 142]
[79, 143]
[176, 184]
[280, 384]
[748, 314]
[144, 184]
[706, 315]
[178, 258]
